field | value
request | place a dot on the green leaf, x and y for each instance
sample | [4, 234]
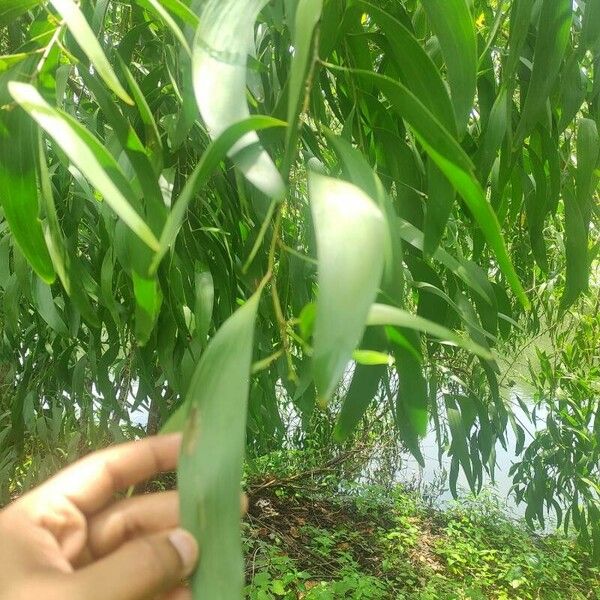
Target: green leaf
[19, 192]
[576, 233]
[44, 302]
[590, 28]
[410, 234]
[210, 470]
[460, 447]
[358, 171]
[203, 306]
[152, 135]
[148, 298]
[371, 358]
[452, 22]
[223, 40]
[381, 314]
[520, 20]
[453, 163]
[156, 7]
[350, 232]
[554, 29]
[52, 232]
[87, 154]
[494, 133]
[413, 397]
[308, 14]
[13, 9]
[418, 72]
[440, 200]
[362, 391]
[135, 151]
[588, 157]
[85, 37]
[213, 155]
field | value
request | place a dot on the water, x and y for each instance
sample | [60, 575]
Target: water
[410, 472]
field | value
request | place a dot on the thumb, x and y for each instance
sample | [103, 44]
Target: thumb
[142, 568]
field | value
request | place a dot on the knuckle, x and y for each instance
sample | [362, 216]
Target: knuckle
[159, 557]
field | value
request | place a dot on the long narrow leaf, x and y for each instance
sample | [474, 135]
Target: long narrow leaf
[453, 24]
[85, 152]
[18, 190]
[85, 37]
[223, 41]
[381, 314]
[212, 456]
[214, 154]
[351, 232]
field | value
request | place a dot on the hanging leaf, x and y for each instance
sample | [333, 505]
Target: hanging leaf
[453, 163]
[413, 398]
[18, 190]
[308, 14]
[419, 73]
[87, 154]
[588, 159]
[13, 9]
[213, 155]
[362, 392]
[212, 455]
[85, 37]
[459, 447]
[576, 250]
[440, 200]
[553, 35]
[350, 232]
[223, 40]
[452, 22]
[42, 296]
[204, 304]
[148, 298]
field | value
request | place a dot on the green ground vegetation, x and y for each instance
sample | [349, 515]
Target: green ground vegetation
[318, 538]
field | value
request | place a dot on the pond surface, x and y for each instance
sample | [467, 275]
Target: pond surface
[433, 472]
[432, 478]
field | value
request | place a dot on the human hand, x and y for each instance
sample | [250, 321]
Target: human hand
[66, 540]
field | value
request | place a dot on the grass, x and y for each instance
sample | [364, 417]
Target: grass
[309, 540]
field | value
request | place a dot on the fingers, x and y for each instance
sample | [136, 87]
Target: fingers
[131, 518]
[91, 482]
[180, 593]
[144, 568]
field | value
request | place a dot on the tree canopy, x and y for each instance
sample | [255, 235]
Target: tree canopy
[209, 210]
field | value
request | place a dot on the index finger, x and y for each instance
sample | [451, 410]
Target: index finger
[92, 482]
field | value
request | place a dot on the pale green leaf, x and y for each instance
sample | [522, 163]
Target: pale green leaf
[212, 456]
[224, 39]
[85, 37]
[351, 233]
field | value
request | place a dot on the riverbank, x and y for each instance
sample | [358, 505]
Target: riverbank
[305, 539]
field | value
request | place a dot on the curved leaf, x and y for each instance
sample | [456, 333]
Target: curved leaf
[453, 162]
[381, 314]
[223, 40]
[213, 155]
[554, 29]
[85, 37]
[86, 153]
[351, 232]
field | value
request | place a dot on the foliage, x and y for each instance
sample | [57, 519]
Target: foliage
[564, 453]
[310, 541]
[451, 152]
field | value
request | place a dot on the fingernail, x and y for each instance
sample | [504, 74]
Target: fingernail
[186, 547]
